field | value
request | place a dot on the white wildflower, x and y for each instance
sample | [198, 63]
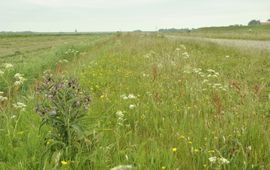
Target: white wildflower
[249, 148]
[120, 118]
[185, 54]
[119, 113]
[205, 81]
[8, 65]
[197, 70]
[211, 70]
[1, 72]
[227, 56]
[224, 89]
[18, 75]
[223, 160]
[123, 96]
[131, 96]
[20, 106]
[202, 74]
[19, 79]
[122, 167]
[18, 83]
[145, 75]
[212, 159]
[132, 106]
[2, 98]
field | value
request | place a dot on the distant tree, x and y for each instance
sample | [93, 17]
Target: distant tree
[254, 22]
[268, 20]
[137, 31]
[174, 30]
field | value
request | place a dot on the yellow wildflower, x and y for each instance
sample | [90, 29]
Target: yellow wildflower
[182, 137]
[196, 150]
[174, 149]
[63, 162]
[49, 141]
[163, 167]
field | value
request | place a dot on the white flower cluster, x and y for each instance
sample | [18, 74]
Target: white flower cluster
[182, 48]
[19, 79]
[122, 167]
[209, 75]
[8, 65]
[220, 160]
[2, 98]
[132, 106]
[63, 61]
[120, 117]
[185, 55]
[71, 52]
[145, 75]
[126, 97]
[130, 96]
[19, 106]
[212, 73]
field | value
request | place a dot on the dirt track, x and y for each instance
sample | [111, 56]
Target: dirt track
[256, 44]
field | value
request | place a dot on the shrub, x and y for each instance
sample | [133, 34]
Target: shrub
[254, 22]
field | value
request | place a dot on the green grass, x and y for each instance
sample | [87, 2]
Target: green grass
[179, 120]
[258, 32]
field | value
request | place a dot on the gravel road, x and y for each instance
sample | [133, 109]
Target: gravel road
[256, 44]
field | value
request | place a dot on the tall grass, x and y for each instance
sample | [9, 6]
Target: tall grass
[158, 104]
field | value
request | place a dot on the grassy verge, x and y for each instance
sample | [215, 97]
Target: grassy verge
[159, 104]
[191, 105]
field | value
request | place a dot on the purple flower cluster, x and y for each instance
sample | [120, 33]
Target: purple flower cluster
[61, 97]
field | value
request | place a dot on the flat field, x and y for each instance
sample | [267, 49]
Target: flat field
[156, 103]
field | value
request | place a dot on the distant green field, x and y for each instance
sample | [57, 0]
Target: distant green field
[259, 32]
[156, 103]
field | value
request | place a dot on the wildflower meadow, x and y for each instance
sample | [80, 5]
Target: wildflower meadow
[133, 101]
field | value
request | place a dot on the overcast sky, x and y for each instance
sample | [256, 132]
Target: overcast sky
[126, 15]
